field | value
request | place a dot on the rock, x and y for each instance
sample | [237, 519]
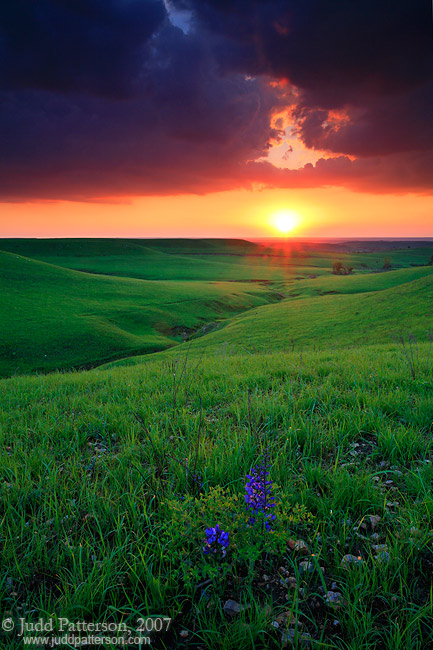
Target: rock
[306, 567]
[231, 607]
[288, 639]
[351, 560]
[183, 634]
[301, 547]
[380, 547]
[287, 618]
[383, 556]
[334, 599]
[374, 520]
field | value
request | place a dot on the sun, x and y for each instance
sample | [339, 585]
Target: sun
[285, 220]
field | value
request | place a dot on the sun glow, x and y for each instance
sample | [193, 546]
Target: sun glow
[285, 220]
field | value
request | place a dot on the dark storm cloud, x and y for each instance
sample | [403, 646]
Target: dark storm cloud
[180, 131]
[105, 97]
[96, 46]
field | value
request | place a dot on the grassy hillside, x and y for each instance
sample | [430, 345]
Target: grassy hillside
[203, 259]
[336, 320]
[102, 519]
[54, 318]
[327, 321]
[57, 318]
[110, 478]
[358, 283]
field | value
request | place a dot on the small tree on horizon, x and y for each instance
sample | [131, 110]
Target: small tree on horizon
[338, 268]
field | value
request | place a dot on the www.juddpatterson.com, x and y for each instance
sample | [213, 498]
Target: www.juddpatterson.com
[59, 632]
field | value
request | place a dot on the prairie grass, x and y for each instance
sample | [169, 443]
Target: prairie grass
[99, 522]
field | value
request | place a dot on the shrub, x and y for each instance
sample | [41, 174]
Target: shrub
[338, 268]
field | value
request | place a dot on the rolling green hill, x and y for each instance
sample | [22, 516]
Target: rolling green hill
[58, 318]
[204, 259]
[109, 478]
[53, 317]
[328, 321]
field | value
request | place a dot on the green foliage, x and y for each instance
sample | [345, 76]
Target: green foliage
[188, 517]
[338, 268]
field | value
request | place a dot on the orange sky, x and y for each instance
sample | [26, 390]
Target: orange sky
[328, 212]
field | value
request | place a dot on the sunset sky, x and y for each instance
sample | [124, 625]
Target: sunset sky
[214, 118]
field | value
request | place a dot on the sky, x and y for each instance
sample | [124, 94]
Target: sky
[195, 118]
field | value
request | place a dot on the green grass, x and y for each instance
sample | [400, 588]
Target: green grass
[100, 516]
[202, 259]
[58, 318]
[328, 321]
[360, 283]
[93, 526]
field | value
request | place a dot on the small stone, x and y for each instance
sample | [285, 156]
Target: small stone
[231, 607]
[374, 520]
[334, 598]
[306, 567]
[288, 639]
[301, 547]
[383, 556]
[287, 618]
[380, 547]
[183, 634]
[351, 560]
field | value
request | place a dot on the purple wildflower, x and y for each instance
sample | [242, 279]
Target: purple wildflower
[216, 540]
[258, 498]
